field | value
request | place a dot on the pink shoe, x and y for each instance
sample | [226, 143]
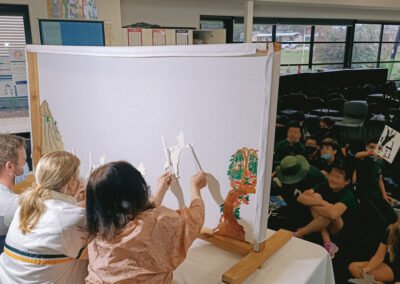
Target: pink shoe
[331, 248]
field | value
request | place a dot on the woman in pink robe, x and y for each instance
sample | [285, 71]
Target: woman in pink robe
[133, 238]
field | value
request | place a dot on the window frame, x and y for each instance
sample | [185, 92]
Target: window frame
[19, 10]
[349, 42]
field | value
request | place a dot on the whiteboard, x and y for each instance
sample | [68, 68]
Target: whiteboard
[120, 106]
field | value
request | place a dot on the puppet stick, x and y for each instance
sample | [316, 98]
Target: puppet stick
[195, 157]
[167, 155]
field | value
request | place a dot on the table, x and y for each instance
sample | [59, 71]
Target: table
[298, 261]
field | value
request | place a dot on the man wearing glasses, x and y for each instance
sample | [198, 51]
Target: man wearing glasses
[13, 169]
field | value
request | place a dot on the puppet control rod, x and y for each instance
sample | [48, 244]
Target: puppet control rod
[167, 152]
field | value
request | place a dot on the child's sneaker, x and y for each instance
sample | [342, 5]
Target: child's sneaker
[331, 248]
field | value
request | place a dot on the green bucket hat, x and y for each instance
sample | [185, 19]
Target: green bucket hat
[292, 169]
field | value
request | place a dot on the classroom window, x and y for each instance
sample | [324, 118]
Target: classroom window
[391, 33]
[293, 53]
[365, 52]
[293, 33]
[261, 32]
[328, 53]
[390, 52]
[330, 34]
[211, 25]
[319, 44]
[367, 32]
[12, 33]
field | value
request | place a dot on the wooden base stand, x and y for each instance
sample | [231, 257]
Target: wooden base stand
[251, 260]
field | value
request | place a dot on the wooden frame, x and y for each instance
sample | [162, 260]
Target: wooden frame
[252, 260]
[34, 103]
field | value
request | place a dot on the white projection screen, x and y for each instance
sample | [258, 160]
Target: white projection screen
[117, 102]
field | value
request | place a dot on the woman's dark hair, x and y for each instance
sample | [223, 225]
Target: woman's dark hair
[116, 193]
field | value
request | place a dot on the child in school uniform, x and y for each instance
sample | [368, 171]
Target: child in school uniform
[291, 146]
[370, 187]
[385, 264]
[46, 241]
[333, 207]
[133, 238]
[328, 150]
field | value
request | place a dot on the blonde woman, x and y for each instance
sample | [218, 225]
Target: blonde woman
[46, 241]
[385, 264]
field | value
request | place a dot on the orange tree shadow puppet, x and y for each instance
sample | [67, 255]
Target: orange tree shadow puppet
[243, 176]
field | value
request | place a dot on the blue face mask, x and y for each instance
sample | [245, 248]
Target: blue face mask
[350, 153]
[373, 157]
[21, 178]
[326, 156]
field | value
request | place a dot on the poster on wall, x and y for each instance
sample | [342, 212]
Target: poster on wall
[159, 37]
[182, 37]
[72, 9]
[135, 37]
[18, 71]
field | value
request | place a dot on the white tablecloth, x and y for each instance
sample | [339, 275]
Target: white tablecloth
[297, 262]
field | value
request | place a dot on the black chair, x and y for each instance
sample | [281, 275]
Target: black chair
[315, 104]
[357, 94]
[335, 107]
[344, 91]
[355, 114]
[370, 89]
[294, 103]
[333, 96]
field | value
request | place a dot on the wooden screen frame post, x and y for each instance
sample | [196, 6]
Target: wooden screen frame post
[34, 103]
[252, 259]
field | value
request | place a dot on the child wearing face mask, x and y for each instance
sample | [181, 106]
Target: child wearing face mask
[312, 150]
[326, 129]
[291, 146]
[46, 241]
[328, 155]
[13, 168]
[370, 186]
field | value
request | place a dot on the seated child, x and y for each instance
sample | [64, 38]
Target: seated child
[46, 241]
[312, 150]
[291, 145]
[385, 264]
[333, 207]
[328, 155]
[326, 129]
[133, 238]
[294, 175]
[370, 186]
